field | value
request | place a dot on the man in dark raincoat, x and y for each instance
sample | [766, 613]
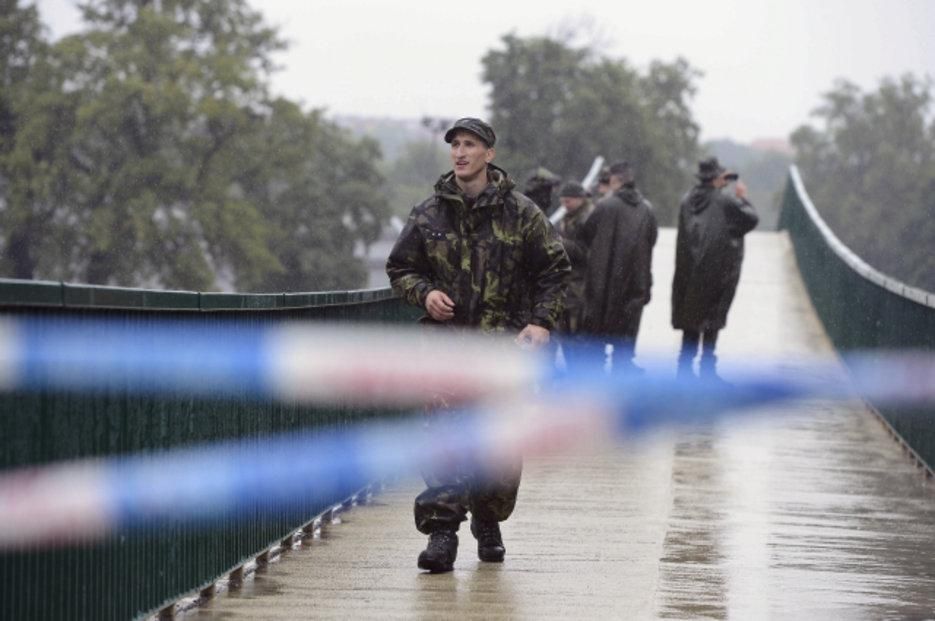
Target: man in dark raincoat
[477, 255]
[620, 236]
[708, 256]
[602, 187]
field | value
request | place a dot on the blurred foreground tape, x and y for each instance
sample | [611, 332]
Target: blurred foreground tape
[511, 402]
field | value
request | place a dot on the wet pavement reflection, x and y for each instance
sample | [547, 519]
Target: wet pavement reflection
[814, 513]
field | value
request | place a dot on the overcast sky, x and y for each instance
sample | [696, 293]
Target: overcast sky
[765, 62]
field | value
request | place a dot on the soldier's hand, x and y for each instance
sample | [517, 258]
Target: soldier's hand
[532, 337]
[439, 305]
[740, 189]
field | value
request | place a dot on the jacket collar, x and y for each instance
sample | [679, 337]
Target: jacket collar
[580, 213]
[629, 195]
[701, 196]
[499, 186]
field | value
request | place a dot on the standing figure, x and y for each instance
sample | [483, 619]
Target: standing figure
[477, 255]
[708, 256]
[602, 188]
[540, 187]
[620, 236]
[578, 208]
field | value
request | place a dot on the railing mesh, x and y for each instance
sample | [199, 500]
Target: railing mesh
[861, 308]
[133, 574]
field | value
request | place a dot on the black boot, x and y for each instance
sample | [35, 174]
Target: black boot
[489, 541]
[707, 370]
[690, 340]
[685, 369]
[439, 556]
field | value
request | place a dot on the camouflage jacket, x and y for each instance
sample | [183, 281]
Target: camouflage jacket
[500, 261]
[570, 229]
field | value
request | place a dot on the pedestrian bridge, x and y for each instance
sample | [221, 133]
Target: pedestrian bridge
[819, 511]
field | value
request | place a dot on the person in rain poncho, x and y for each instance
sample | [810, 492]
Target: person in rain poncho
[708, 256]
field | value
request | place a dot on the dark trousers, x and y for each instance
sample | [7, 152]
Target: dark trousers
[489, 494]
[585, 351]
[462, 485]
[691, 340]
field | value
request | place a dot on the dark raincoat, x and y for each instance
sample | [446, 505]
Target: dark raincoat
[620, 236]
[708, 255]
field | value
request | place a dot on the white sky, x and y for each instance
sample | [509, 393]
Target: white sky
[765, 62]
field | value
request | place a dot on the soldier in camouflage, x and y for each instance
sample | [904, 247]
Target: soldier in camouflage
[578, 207]
[540, 187]
[477, 254]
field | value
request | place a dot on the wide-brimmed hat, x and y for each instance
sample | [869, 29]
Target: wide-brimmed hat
[476, 126]
[711, 168]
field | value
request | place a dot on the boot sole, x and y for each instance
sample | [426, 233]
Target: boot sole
[435, 569]
[496, 557]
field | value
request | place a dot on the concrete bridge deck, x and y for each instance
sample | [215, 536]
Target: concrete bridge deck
[814, 514]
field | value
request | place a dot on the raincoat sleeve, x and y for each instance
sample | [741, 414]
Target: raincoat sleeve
[549, 270]
[741, 216]
[683, 265]
[589, 230]
[575, 248]
[643, 260]
[408, 267]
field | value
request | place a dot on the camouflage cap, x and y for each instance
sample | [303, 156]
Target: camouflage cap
[572, 189]
[541, 178]
[476, 126]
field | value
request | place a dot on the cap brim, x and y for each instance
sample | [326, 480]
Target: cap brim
[450, 134]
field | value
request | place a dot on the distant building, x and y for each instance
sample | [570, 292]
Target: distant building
[779, 145]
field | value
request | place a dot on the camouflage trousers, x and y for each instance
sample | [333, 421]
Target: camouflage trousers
[464, 485]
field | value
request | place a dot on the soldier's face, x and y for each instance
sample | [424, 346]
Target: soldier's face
[469, 156]
[572, 203]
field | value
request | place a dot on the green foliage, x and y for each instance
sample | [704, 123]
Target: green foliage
[21, 47]
[559, 106]
[413, 174]
[146, 151]
[870, 170]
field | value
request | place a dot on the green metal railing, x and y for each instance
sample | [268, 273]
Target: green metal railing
[129, 576]
[861, 308]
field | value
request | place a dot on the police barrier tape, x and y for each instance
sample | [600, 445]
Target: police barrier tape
[86, 500]
[321, 363]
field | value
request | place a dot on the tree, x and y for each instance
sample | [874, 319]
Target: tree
[22, 46]
[870, 169]
[414, 172]
[151, 147]
[557, 105]
[320, 192]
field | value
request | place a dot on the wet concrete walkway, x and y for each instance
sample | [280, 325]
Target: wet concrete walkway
[814, 514]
